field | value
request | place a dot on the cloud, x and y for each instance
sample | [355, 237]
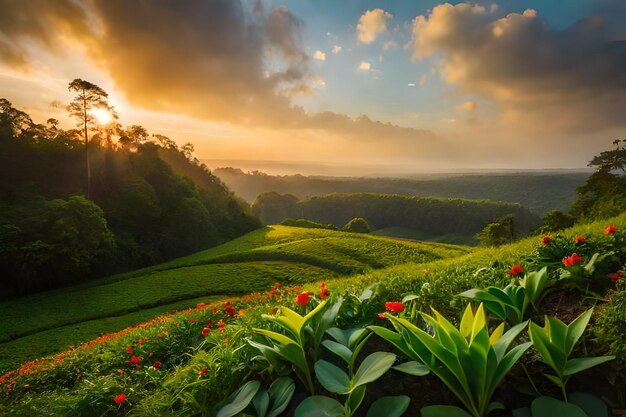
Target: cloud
[364, 66]
[389, 45]
[468, 106]
[336, 49]
[423, 80]
[319, 55]
[372, 24]
[568, 80]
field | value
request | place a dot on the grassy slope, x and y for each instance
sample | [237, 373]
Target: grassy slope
[250, 263]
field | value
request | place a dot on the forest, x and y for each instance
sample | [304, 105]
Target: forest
[82, 203]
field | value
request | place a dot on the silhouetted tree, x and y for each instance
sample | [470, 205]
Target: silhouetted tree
[88, 97]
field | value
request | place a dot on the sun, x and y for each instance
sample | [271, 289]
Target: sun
[102, 116]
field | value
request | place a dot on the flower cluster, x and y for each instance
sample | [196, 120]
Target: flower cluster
[516, 270]
[572, 260]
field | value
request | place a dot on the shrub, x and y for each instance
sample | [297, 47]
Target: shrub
[357, 225]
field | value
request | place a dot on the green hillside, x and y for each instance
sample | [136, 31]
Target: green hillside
[253, 262]
[195, 373]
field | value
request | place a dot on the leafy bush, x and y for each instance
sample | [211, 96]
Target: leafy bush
[357, 225]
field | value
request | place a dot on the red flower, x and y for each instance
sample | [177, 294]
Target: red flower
[160, 335]
[229, 309]
[202, 372]
[157, 365]
[193, 320]
[214, 310]
[610, 229]
[324, 292]
[546, 240]
[119, 398]
[127, 363]
[200, 305]
[129, 350]
[206, 331]
[135, 359]
[303, 298]
[381, 315]
[515, 270]
[615, 277]
[209, 323]
[572, 260]
[579, 240]
[120, 371]
[394, 306]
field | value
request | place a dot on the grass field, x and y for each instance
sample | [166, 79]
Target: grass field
[404, 233]
[49, 322]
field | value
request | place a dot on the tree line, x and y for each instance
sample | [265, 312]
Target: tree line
[82, 203]
[434, 216]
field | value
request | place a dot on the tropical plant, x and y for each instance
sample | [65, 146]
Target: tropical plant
[555, 341]
[581, 404]
[337, 381]
[510, 304]
[469, 360]
[302, 338]
[252, 398]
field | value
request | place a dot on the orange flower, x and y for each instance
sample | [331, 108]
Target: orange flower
[120, 371]
[120, 398]
[129, 350]
[221, 325]
[515, 270]
[202, 372]
[394, 306]
[572, 260]
[579, 240]
[303, 298]
[200, 305]
[610, 229]
[546, 240]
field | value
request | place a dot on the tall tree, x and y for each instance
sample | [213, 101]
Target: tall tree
[89, 97]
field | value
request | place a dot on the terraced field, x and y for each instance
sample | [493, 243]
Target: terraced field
[49, 322]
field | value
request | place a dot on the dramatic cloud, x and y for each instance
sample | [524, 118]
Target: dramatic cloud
[217, 60]
[372, 24]
[319, 55]
[559, 80]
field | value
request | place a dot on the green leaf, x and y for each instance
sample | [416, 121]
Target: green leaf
[412, 368]
[389, 406]
[239, 399]
[522, 412]
[280, 392]
[319, 406]
[550, 407]
[338, 349]
[534, 283]
[576, 329]
[495, 406]
[356, 398]
[555, 379]
[590, 404]
[573, 366]
[373, 367]
[409, 297]
[331, 377]
[261, 402]
[541, 342]
[443, 411]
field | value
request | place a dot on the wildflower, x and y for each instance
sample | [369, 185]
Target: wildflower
[381, 315]
[202, 372]
[120, 371]
[214, 310]
[615, 277]
[220, 326]
[273, 311]
[394, 306]
[120, 398]
[226, 341]
[229, 309]
[515, 270]
[579, 240]
[157, 365]
[206, 331]
[324, 292]
[129, 350]
[127, 363]
[135, 359]
[193, 321]
[303, 298]
[572, 260]
[160, 335]
[200, 305]
[610, 229]
[546, 240]
[209, 323]
[241, 312]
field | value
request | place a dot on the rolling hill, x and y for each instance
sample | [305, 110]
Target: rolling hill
[45, 323]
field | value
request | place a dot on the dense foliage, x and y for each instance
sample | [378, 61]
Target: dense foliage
[149, 201]
[223, 359]
[540, 192]
[434, 216]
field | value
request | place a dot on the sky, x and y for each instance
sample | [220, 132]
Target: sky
[421, 85]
